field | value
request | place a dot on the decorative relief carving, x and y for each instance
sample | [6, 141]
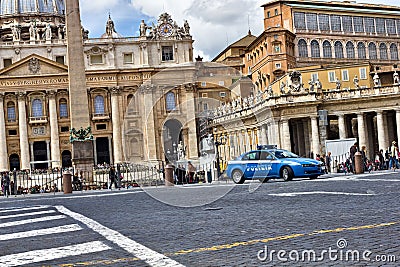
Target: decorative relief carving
[34, 65]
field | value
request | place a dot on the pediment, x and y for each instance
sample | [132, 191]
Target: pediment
[34, 65]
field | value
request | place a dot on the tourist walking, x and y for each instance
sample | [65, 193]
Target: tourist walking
[393, 155]
[5, 182]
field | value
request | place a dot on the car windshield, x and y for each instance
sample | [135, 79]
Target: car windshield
[281, 154]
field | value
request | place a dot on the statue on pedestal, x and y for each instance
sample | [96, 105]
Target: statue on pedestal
[181, 151]
[355, 81]
[395, 78]
[377, 81]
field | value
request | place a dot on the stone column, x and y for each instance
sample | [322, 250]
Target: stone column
[263, 133]
[380, 125]
[149, 127]
[362, 139]
[116, 125]
[306, 136]
[54, 134]
[95, 150]
[398, 125]
[286, 135]
[23, 132]
[275, 134]
[47, 151]
[315, 136]
[191, 121]
[342, 126]
[3, 140]
[110, 150]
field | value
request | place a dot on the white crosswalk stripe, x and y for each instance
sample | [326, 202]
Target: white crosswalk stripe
[36, 256]
[34, 220]
[40, 232]
[27, 214]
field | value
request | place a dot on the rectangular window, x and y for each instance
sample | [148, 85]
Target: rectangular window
[12, 132]
[380, 25]
[11, 116]
[278, 65]
[369, 25]
[221, 83]
[347, 23]
[312, 21]
[358, 24]
[268, 14]
[101, 126]
[63, 110]
[204, 95]
[64, 129]
[128, 58]
[363, 73]
[323, 22]
[205, 106]
[276, 12]
[345, 75]
[331, 76]
[7, 62]
[314, 76]
[398, 25]
[203, 84]
[391, 26]
[60, 59]
[300, 20]
[167, 53]
[336, 24]
[96, 59]
[222, 94]
[277, 48]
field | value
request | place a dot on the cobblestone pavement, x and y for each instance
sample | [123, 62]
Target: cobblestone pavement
[331, 221]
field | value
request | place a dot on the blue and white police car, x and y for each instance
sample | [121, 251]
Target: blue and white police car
[264, 164]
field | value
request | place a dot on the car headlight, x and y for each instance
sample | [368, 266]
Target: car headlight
[307, 165]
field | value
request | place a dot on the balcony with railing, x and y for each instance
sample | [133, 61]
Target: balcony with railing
[38, 120]
[101, 117]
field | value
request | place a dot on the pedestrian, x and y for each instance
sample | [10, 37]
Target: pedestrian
[393, 156]
[190, 172]
[381, 160]
[5, 181]
[113, 177]
[364, 157]
[328, 162]
[353, 151]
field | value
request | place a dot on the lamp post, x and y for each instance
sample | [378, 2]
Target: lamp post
[221, 141]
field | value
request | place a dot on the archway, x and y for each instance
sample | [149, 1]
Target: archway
[172, 139]
[66, 159]
[14, 162]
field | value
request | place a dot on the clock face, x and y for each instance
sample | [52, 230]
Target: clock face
[165, 30]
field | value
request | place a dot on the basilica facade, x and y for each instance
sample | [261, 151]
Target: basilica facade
[132, 117]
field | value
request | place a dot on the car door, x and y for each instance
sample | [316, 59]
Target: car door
[275, 165]
[251, 161]
[265, 164]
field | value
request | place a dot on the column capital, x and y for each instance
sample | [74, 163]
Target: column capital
[20, 95]
[51, 93]
[2, 95]
[115, 90]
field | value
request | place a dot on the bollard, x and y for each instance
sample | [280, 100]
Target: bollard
[358, 163]
[67, 183]
[169, 175]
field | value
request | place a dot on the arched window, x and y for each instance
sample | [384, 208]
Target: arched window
[327, 49]
[350, 50]
[394, 53]
[372, 51]
[99, 105]
[63, 108]
[170, 101]
[383, 51]
[11, 116]
[361, 50]
[338, 50]
[37, 108]
[315, 49]
[302, 45]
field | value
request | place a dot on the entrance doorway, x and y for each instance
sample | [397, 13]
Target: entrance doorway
[102, 150]
[40, 154]
[14, 162]
[172, 137]
[66, 156]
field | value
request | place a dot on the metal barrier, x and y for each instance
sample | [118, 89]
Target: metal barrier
[50, 181]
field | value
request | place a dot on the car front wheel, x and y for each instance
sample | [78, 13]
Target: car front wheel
[287, 174]
[237, 177]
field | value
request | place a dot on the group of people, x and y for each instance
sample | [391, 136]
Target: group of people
[188, 175]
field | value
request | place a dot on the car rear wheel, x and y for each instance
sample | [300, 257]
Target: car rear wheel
[237, 177]
[263, 180]
[287, 174]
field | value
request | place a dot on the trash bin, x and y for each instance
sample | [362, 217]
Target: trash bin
[358, 162]
[169, 175]
[67, 183]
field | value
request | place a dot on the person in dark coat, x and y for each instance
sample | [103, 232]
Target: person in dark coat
[5, 181]
[113, 177]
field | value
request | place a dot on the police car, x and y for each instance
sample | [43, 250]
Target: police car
[265, 163]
